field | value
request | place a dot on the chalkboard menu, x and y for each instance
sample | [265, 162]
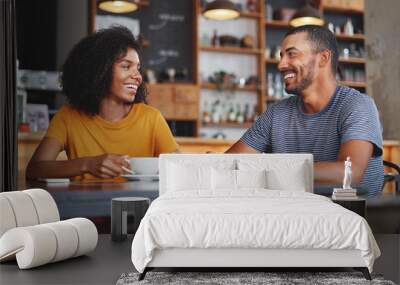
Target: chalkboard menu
[168, 27]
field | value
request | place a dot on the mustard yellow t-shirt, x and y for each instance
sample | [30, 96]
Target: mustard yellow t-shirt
[143, 132]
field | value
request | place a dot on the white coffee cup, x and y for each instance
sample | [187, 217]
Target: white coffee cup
[144, 165]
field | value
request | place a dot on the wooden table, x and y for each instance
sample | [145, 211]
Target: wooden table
[93, 199]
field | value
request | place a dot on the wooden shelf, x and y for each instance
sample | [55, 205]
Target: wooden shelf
[277, 24]
[355, 37]
[250, 15]
[352, 60]
[227, 125]
[339, 9]
[354, 84]
[271, 61]
[228, 49]
[250, 88]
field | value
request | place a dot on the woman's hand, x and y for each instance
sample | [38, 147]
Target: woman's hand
[107, 165]
[43, 163]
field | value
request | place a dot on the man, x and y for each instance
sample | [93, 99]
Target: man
[328, 120]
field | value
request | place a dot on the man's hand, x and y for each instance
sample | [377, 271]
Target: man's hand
[360, 152]
[106, 165]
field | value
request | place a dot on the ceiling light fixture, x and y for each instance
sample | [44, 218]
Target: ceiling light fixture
[118, 6]
[221, 10]
[307, 15]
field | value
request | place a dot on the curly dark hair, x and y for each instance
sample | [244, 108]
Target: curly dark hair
[88, 70]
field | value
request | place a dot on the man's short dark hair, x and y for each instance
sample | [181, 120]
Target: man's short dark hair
[322, 39]
[88, 70]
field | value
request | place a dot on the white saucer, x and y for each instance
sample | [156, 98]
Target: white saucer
[151, 177]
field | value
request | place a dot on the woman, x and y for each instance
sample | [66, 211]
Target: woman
[106, 120]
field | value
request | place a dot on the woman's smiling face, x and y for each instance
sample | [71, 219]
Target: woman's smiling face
[126, 77]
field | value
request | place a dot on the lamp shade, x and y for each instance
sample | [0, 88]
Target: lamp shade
[118, 6]
[221, 10]
[307, 15]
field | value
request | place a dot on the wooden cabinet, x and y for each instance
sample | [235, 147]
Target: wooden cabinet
[179, 104]
[186, 102]
[176, 102]
[161, 97]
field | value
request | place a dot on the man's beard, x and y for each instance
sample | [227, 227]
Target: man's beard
[303, 84]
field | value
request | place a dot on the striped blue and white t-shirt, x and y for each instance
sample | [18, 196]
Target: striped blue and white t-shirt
[350, 115]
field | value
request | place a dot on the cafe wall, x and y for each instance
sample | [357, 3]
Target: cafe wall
[383, 61]
[382, 46]
[72, 25]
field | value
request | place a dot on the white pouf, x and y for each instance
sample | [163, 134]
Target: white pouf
[31, 232]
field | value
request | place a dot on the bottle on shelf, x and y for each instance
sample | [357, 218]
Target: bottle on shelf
[255, 113]
[353, 51]
[215, 113]
[346, 53]
[269, 12]
[215, 39]
[331, 27]
[231, 114]
[278, 86]
[246, 113]
[348, 28]
[271, 90]
[224, 113]
[239, 114]
[206, 113]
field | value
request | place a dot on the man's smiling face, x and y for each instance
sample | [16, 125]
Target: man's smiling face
[298, 63]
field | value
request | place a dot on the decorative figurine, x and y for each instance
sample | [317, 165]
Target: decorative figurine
[347, 174]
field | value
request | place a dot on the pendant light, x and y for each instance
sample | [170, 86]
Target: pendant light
[307, 15]
[221, 10]
[118, 6]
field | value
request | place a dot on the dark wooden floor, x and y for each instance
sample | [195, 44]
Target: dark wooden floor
[110, 259]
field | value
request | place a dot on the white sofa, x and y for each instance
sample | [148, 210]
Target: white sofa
[31, 231]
